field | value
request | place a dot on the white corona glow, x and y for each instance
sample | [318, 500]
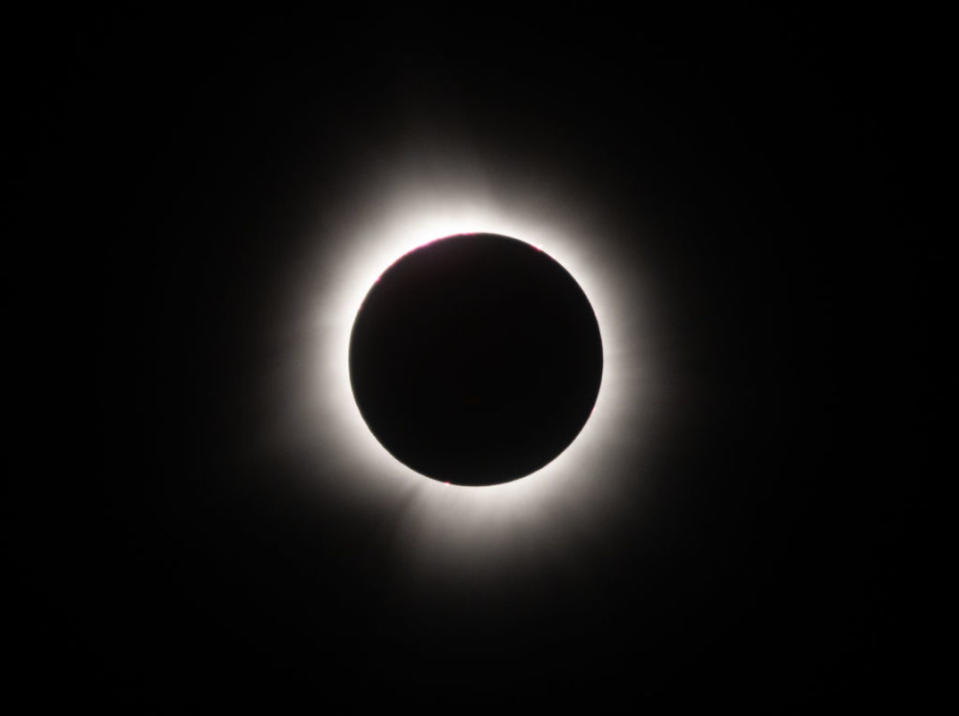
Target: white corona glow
[435, 520]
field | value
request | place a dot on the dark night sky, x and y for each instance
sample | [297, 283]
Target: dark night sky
[165, 167]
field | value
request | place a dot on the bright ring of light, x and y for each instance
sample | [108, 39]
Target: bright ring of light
[453, 521]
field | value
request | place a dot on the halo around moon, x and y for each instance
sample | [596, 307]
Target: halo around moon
[389, 216]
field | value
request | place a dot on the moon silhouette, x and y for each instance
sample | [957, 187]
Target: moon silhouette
[475, 359]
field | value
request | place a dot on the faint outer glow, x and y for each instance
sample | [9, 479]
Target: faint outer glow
[435, 523]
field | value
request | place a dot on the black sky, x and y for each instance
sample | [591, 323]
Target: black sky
[163, 170]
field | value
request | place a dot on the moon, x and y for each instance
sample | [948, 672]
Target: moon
[475, 359]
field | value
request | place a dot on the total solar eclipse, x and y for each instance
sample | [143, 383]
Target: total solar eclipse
[475, 359]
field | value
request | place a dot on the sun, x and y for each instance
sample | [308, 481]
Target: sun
[369, 234]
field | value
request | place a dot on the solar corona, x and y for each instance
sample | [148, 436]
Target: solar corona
[449, 505]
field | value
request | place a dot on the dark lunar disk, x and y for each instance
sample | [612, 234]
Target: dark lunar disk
[475, 359]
